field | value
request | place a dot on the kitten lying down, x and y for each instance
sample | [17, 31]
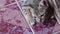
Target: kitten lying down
[32, 12]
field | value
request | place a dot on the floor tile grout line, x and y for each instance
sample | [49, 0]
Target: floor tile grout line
[8, 5]
[11, 4]
[21, 11]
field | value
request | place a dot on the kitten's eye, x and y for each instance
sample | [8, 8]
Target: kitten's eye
[44, 3]
[41, 15]
[24, 10]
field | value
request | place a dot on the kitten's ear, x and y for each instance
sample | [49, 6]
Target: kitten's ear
[31, 5]
[48, 3]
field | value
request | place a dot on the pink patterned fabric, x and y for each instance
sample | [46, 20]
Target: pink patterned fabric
[42, 29]
[12, 20]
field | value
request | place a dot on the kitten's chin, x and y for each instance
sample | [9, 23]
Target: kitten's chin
[32, 23]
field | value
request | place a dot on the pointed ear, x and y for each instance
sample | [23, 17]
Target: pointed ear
[31, 5]
[48, 3]
[58, 3]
